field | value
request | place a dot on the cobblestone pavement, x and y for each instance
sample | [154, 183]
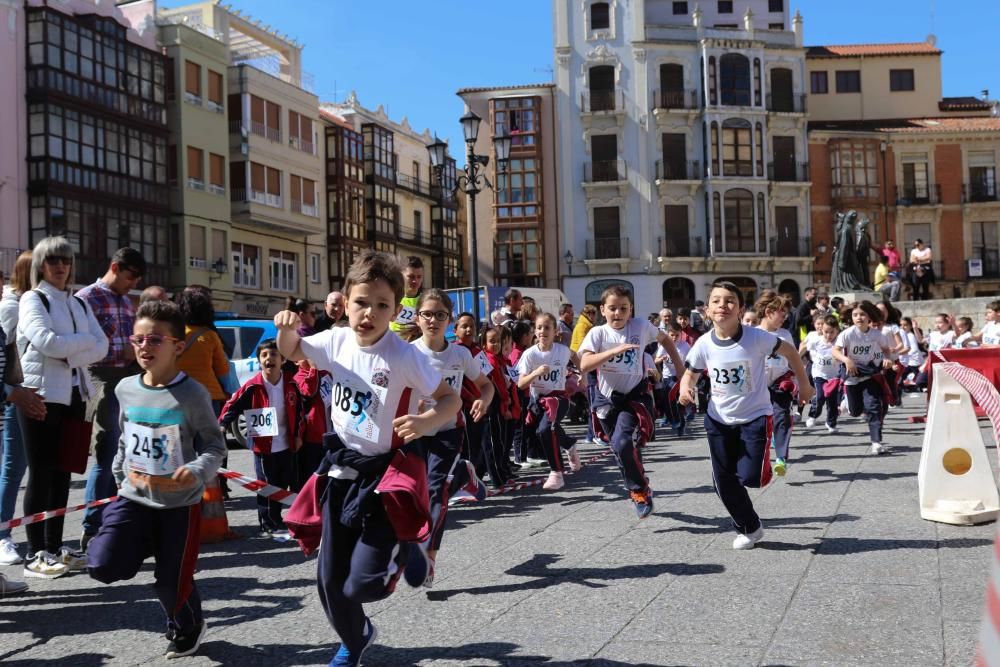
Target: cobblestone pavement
[847, 574]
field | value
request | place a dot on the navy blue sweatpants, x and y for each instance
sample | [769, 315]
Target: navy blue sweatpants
[821, 398]
[741, 459]
[277, 469]
[130, 533]
[441, 451]
[781, 404]
[622, 429]
[866, 397]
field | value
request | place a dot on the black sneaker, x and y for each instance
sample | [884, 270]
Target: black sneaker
[182, 645]
[417, 566]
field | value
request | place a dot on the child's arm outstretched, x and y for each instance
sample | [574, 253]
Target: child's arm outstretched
[447, 404]
[806, 391]
[688, 393]
[288, 337]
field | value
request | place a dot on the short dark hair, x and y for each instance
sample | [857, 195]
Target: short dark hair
[297, 305]
[882, 259]
[731, 288]
[618, 290]
[510, 295]
[130, 258]
[163, 311]
[564, 308]
[684, 312]
[196, 308]
[831, 321]
[267, 344]
[414, 262]
[371, 266]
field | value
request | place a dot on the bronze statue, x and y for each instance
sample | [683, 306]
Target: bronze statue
[850, 267]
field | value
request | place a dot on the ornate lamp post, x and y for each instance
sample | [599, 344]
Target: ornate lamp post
[474, 181]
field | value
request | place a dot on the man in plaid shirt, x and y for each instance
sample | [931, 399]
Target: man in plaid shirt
[108, 298]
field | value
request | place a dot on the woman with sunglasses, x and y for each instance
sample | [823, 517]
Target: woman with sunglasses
[58, 338]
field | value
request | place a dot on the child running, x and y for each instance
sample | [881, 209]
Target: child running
[622, 404]
[772, 309]
[378, 381]
[825, 368]
[862, 349]
[442, 448]
[669, 408]
[738, 423]
[170, 447]
[989, 335]
[542, 368]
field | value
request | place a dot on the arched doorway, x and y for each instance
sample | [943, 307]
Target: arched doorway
[592, 292]
[746, 285]
[678, 293]
[791, 288]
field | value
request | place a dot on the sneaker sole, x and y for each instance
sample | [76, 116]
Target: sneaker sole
[170, 655]
[31, 574]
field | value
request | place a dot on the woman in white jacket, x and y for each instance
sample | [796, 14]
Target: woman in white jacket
[59, 337]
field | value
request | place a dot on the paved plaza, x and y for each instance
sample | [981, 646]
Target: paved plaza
[847, 574]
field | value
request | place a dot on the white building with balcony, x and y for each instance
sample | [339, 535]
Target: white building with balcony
[683, 148]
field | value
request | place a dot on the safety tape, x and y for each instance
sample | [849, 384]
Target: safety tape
[260, 488]
[51, 514]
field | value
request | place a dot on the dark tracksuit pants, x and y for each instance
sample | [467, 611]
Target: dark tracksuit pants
[781, 403]
[741, 459]
[356, 565]
[622, 429]
[474, 443]
[132, 532]
[276, 469]
[307, 459]
[493, 446]
[821, 399]
[441, 450]
[866, 397]
[551, 435]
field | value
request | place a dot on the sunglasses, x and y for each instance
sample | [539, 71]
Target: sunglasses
[56, 260]
[135, 275]
[431, 315]
[153, 340]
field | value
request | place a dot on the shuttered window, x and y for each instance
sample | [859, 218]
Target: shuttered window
[192, 78]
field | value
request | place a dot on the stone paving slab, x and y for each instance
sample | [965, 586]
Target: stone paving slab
[847, 574]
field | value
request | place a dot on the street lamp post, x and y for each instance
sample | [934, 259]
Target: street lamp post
[473, 182]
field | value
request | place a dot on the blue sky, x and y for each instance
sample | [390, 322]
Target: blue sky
[412, 56]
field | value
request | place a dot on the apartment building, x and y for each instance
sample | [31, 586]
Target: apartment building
[682, 148]
[382, 193]
[517, 223]
[277, 240]
[882, 141]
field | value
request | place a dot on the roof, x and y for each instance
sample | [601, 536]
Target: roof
[523, 86]
[855, 50]
[911, 125]
[335, 119]
[964, 104]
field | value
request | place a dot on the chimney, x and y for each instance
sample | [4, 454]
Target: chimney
[797, 29]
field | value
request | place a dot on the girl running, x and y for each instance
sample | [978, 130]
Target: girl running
[772, 309]
[824, 369]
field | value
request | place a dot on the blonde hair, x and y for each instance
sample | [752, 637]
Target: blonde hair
[20, 279]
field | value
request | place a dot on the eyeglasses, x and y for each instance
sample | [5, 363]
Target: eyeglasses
[431, 315]
[153, 340]
[136, 275]
[55, 260]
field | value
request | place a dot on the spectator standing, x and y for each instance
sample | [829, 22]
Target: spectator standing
[333, 312]
[698, 319]
[565, 335]
[890, 252]
[512, 303]
[921, 271]
[153, 293]
[306, 315]
[109, 302]
[203, 357]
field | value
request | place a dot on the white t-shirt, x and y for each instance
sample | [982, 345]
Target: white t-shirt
[683, 347]
[776, 364]
[811, 338]
[940, 341]
[991, 333]
[964, 340]
[623, 371]
[889, 333]
[862, 348]
[736, 369]
[454, 363]
[824, 366]
[557, 359]
[276, 399]
[371, 385]
[913, 355]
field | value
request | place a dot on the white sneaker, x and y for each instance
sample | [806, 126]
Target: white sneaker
[8, 587]
[44, 565]
[747, 541]
[554, 482]
[8, 552]
[877, 449]
[75, 561]
[810, 422]
[574, 459]
[831, 429]
[535, 463]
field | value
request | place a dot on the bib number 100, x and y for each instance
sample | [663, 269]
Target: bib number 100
[350, 401]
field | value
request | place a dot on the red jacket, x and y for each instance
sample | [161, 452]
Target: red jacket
[253, 395]
[314, 418]
[510, 402]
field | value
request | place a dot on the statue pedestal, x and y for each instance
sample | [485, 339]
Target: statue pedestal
[851, 297]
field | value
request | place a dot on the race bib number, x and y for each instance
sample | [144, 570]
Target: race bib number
[262, 422]
[153, 451]
[485, 367]
[513, 374]
[625, 363]
[553, 380]
[406, 315]
[731, 379]
[326, 390]
[355, 410]
[824, 362]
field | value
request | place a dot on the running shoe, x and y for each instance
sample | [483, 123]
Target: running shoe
[831, 429]
[429, 579]
[535, 463]
[475, 487]
[643, 501]
[417, 566]
[8, 587]
[43, 565]
[747, 541]
[9, 554]
[85, 541]
[344, 658]
[810, 422]
[779, 467]
[877, 449]
[574, 459]
[554, 482]
[186, 644]
[75, 561]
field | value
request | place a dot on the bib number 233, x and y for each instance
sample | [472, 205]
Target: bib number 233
[153, 451]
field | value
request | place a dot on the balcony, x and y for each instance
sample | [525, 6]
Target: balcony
[196, 184]
[607, 248]
[414, 235]
[788, 172]
[299, 206]
[855, 192]
[918, 195]
[602, 101]
[239, 195]
[192, 98]
[978, 193]
[680, 245]
[446, 196]
[667, 170]
[302, 145]
[786, 103]
[414, 185]
[791, 247]
[675, 99]
[217, 189]
[243, 128]
[605, 171]
[990, 258]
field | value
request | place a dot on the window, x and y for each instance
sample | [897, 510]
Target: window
[734, 79]
[737, 154]
[216, 174]
[192, 82]
[600, 16]
[739, 217]
[725, 6]
[986, 247]
[601, 83]
[195, 168]
[303, 192]
[854, 170]
[680, 8]
[300, 132]
[314, 267]
[265, 185]
[900, 80]
[915, 183]
[418, 225]
[607, 234]
[196, 247]
[775, 26]
[518, 255]
[283, 271]
[849, 81]
[218, 245]
[982, 177]
[519, 115]
[523, 194]
[215, 86]
[775, 6]
[265, 118]
[246, 265]
[676, 239]
[818, 83]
